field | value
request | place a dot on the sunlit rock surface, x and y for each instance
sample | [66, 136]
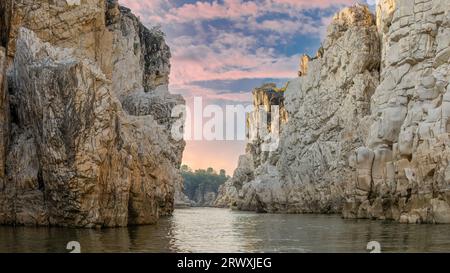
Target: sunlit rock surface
[228, 192]
[254, 172]
[367, 132]
[89, 141]
[403, 170]
[368, 129]
[326, 108]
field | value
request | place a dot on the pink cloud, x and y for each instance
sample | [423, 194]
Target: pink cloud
[312, 4]
[188, 70]
[231, 56]
[230, 9]
[228, 55]
[285, 26]
[162, 11]
[210, 95]
[149, 10]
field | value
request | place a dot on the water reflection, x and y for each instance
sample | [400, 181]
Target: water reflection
[220, 230]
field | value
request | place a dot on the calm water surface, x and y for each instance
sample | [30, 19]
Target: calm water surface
[222, 230]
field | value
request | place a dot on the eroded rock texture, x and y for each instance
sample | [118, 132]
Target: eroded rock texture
[403, 170]
[325, 108]
[256, 171]
[90, 118]
[4, 114]
[228, 194]
[368, 130]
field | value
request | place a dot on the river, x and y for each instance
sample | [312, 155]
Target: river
[222, 230]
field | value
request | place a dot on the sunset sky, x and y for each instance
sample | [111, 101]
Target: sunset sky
[222, 49]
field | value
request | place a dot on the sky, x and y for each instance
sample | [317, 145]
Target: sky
[222, 49]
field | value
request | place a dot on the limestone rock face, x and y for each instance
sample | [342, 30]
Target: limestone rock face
[254, 171]
[143, 59]
[79, 25]
[228, 192]
[303, 67]
[403, 170]
[82, 153]
[5, 15]
[325, 109]
[368, 129]
[4, 114]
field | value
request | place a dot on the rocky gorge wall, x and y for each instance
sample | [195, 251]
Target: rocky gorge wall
[367, 131]
[264, 122]
[87, 116]
[403, 169]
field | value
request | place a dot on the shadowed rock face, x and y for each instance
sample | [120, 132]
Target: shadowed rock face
[5, 12]
[4, 114]
[89, 141]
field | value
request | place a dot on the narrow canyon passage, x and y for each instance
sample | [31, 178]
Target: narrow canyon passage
[237, 126]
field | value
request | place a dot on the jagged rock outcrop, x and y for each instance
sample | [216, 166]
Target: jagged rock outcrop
[90, 118]
[228, 193]
[256, 169]
[368, 121]
[303, 67]
[4, 113]
[325, 109]
[5, 11]
[403, 169]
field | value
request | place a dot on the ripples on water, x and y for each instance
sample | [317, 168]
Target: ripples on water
[222, 230]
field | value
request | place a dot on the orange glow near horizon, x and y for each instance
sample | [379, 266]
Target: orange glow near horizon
[216, 154]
